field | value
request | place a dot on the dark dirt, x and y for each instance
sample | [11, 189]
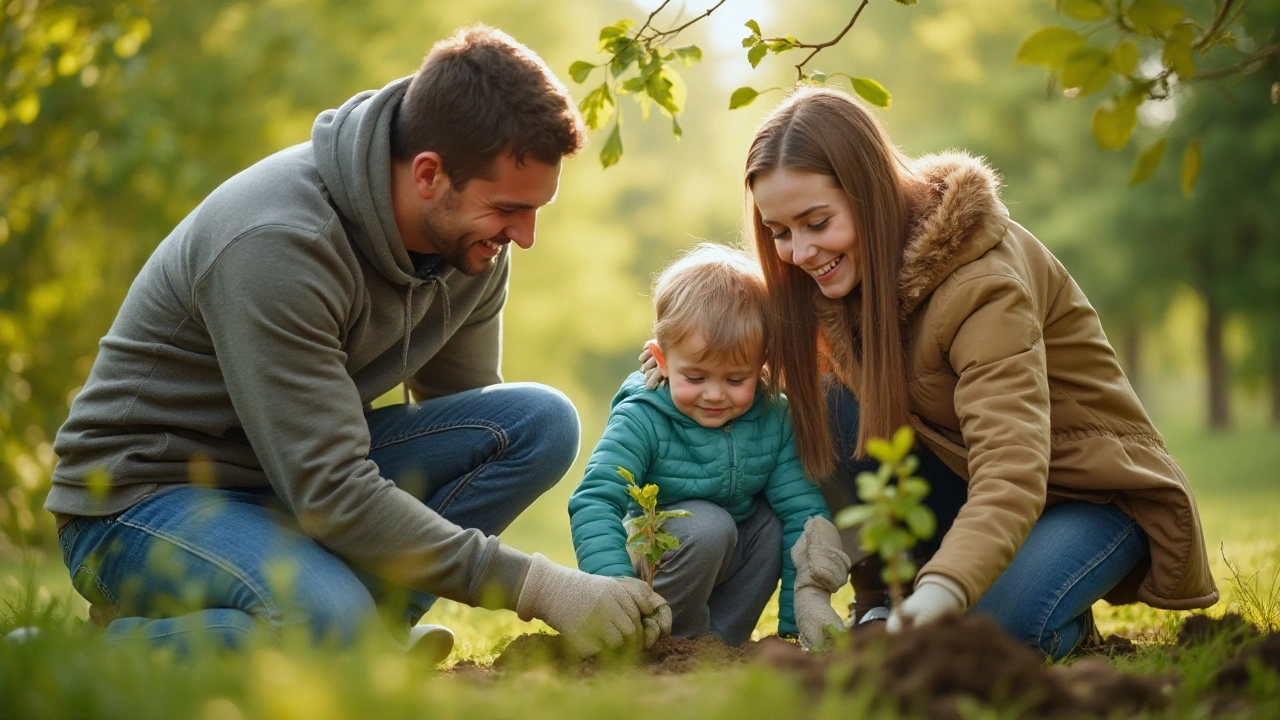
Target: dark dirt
[936, 670]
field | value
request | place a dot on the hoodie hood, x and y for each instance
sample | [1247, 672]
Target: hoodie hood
[352, 147]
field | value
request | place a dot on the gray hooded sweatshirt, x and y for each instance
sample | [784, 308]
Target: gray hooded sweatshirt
[256, 335]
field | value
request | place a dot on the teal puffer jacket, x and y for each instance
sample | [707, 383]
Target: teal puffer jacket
[734, 466]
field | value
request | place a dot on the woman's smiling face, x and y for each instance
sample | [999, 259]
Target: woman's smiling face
[811, 220]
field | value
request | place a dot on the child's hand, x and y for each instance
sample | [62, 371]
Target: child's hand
[650, 365]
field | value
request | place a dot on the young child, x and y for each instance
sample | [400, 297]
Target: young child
[717, 442]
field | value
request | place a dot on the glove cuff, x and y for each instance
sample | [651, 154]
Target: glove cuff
[947, 584]
[541, 577]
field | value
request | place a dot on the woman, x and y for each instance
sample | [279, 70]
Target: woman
[906, 282]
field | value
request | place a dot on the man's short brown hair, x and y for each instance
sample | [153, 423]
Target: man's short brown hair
[480, 93]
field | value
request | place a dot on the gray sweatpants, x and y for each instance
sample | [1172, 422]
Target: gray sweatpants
[722, 575]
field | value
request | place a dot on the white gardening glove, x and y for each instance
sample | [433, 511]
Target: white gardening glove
[592, 612]
[934, 597]
[821, 568]
[653, 375]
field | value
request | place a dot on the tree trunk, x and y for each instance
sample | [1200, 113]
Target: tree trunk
[1216, 361]
[1132, 357]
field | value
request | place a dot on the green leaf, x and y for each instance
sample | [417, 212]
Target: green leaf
[631, 86]
[650, 492]
[754, 26]
[668, 514]
[1191, 161]
[904, 438]
[667, 541]
[689, 54]
[625, 59]
[1125, 58]
[921, 523]
[580, 71]
[880, 449]
[1147, 162]
[870, 486]
[597, 109]
[915, 488]
[1153, 17]
[1087, 69]
[611, 153]
[854, 515]
[817, 77]
[873, 533]
[757, 53]
[906, 568]
[742, 97]
[1113, 122]
[1178, 54]
[906, 2]
[871, 91]
[676, 129]
[668, 90]
[610, 34]
[1087, 10]
[778, 46]
[1049, 47]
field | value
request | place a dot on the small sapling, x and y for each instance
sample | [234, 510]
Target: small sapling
[648, 540]
[892, 517]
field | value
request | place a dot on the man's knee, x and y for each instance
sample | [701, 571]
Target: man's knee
[551, 429]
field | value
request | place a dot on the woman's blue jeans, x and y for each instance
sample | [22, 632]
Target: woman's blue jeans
[225, 563]
[1076, 552]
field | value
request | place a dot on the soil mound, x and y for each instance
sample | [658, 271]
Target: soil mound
[1200, 629]
[1264, 654]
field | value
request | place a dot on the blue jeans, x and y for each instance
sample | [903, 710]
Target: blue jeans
[197, 562]
[1075, 553]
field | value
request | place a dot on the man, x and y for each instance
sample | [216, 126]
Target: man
[220, 473]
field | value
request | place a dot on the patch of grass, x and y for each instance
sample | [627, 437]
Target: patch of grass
[68, 672]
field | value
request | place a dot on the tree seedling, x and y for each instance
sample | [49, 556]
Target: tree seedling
[648, 540]
[892, 517]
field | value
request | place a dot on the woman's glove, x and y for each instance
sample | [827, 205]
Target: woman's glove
[935, 596]
[592, 612]
[821, 568]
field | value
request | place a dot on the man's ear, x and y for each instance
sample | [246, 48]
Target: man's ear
[652, 347]
[429, 176]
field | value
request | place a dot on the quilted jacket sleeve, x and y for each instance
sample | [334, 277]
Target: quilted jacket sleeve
[597, 507]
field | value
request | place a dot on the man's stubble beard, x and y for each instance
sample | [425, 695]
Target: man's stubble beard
[438, 230]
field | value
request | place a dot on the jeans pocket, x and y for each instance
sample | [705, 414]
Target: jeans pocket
[67, 538]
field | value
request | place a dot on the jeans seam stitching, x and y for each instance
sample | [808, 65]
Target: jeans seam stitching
[1097, 560]
[440, 427]
[209, 557]
[501, 453]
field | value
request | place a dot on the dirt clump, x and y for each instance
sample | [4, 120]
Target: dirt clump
[1200, 629]
[1264, 654]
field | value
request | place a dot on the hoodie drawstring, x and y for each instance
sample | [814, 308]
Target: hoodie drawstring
[408, 325]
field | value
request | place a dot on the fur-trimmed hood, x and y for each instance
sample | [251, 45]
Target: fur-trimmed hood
[960, 218]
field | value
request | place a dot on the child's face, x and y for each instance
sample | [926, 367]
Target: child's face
[812, 225]
[712, 391]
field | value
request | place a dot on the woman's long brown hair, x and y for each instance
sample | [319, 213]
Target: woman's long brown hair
[824, 131]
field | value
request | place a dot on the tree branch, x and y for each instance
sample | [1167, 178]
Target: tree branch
[1261, 56]
[818, 47]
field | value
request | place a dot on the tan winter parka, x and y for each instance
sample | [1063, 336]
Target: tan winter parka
[1014, 386]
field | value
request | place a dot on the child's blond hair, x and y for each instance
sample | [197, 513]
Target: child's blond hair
[720, 291]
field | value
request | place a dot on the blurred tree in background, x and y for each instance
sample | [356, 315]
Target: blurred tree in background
[116, 119]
